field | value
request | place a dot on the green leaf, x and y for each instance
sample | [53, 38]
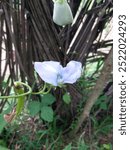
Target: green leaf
[106, 146]
[47, 113]
[103, 106]
[106, 129]
[67, 98]
[48, 99]
[3, 148]
[3, 143]
[101, 99]
[34, 108]
[68, 147]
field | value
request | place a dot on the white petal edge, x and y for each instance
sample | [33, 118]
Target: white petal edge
[72, 72]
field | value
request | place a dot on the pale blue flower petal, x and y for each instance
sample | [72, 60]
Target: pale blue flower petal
[71, 72]
[53, 73]
[48, 71]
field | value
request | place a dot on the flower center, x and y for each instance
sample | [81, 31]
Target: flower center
[60, 80]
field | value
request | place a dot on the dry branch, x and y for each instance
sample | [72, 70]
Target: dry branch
[101, 82]
[31, 35]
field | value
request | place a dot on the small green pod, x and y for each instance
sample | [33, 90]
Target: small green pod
[18, 88]
[62, 14]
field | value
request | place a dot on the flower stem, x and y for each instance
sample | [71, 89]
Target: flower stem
[43, 90]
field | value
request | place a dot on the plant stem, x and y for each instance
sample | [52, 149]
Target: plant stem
[101, 82]
[42, 91]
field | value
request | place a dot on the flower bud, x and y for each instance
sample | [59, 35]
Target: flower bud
[62, 14]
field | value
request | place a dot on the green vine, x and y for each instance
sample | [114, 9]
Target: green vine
[19, 95]
[18, 83]
[42, 91]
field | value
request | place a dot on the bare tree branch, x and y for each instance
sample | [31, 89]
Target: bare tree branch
[101, 82]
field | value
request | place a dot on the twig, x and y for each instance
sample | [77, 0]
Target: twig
[101, 82]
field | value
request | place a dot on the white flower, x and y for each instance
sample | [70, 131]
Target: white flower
[53, 73]
[62, 14]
